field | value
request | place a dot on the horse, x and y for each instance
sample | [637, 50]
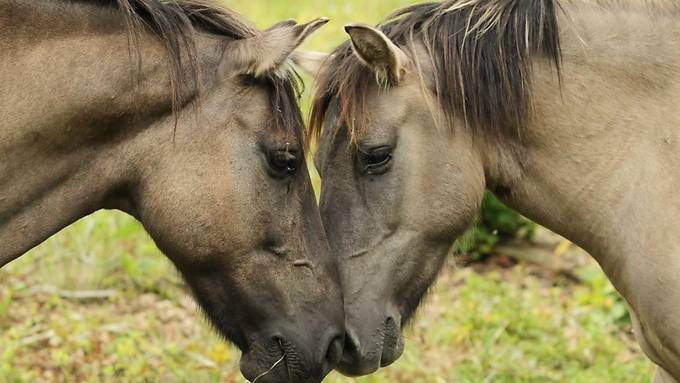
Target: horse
[565, 110]
[185, 116]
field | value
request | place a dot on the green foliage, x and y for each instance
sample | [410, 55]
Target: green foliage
[607, 296]
[5, 302]
[496, 223]
[513, 327]
[498, 219]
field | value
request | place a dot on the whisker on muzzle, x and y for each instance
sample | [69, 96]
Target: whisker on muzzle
[262, 375]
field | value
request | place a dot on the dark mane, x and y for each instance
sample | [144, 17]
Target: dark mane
[481, 52]
[176, 23]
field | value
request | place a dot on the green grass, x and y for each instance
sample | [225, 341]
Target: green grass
[499, 326]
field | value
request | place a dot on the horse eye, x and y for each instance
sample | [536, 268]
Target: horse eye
[375, 161]
[283, 162]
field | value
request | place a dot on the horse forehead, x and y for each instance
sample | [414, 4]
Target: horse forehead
[250, 103]
[390, 103]
[384, 114]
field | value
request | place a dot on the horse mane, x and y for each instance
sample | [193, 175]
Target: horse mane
[176, 24]
[481, 53]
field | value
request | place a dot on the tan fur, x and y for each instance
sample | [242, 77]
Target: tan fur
[597, 160]
[602, 157]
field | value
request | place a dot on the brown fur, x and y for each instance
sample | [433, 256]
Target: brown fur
[96, 113]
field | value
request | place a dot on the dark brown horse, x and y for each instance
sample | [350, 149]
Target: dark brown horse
[572, 118]
[185, 116]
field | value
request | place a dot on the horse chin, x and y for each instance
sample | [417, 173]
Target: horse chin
[254, 371]
[278, 361]
[353, 369]
[353, 364]
[264, 363]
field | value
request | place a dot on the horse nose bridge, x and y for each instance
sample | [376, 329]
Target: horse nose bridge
[311, 232]
[363, 316]
[326, 198]
[336, 207]
[314, 253]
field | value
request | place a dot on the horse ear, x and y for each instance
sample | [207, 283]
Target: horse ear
[377, 51]
[310, 62]
[270, 50]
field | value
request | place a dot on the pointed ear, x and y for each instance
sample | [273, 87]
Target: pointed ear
[310, 62]
[270, 50]
[283, 24]
[377, 51]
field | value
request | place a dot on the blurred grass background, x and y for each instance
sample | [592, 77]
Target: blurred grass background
[99, 303]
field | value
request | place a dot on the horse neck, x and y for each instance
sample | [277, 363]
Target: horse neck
[599, 159]
[72, 109]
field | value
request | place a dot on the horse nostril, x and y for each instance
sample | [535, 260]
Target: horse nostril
[391, 334]
[277, 345]
[393, 344]
[351, 344]
[334, 352]
[390, 325]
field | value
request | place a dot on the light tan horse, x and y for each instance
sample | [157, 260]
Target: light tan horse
[185, 116]
[568, 111]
